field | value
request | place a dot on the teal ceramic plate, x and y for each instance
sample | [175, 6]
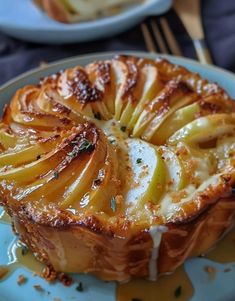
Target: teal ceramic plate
[221, 288]
[23, 20]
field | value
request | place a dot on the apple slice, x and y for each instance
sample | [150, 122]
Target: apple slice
[147, 180]
[51, 102]
[67, 6]
[48, 189]
[121, 72]
[158, 120]
[18, 156]
[24, 110]
[68, 98]
[108, 184]
[7, 140]
[30, 172]
[174, 122]
[81, 7]
[205, 129]
[176, 178]
[172, 97]
[150, 86]
[83, 182]
[102, 77]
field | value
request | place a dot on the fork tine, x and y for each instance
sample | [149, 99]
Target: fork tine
[158, 36]
[148, 39]
[170, 38]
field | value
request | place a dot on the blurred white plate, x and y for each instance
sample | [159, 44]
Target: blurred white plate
[23, 20]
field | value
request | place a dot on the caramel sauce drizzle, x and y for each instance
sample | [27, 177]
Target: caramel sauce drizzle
[143, 290]
[165, 288]
[18, 256]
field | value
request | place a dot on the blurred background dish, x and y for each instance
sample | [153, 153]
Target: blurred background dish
[72, 11]
[27, 22]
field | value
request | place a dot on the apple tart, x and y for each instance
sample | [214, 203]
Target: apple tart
[71, 11]
[123, 168]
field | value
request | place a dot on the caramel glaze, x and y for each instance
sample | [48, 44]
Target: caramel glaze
[18, 256]
[164, 289]
[224, 252]
[4, 271]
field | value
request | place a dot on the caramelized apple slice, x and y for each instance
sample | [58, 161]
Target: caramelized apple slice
[122, 75]
[7, 140]
[29, 172]
[102, 77]
[106, 185]
[75, 88]
[24, 110]
[38, 168]
[27, 154]
[83, 182]
[49, 101]
[50, 188]
[149, 86]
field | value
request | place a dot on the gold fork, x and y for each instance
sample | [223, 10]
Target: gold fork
[160, 35]
[189, 11]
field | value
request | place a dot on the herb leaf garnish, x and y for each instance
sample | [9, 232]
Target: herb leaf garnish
[85, 145]
[80, 288]
[56, 175]
[24, 250]
[97, 115]
[113, 204]
[178, 291]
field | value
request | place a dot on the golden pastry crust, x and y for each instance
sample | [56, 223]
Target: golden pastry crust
[103, 166]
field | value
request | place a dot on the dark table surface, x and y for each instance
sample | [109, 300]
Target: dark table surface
[17, 56]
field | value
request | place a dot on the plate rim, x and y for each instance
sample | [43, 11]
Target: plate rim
[105, 55]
